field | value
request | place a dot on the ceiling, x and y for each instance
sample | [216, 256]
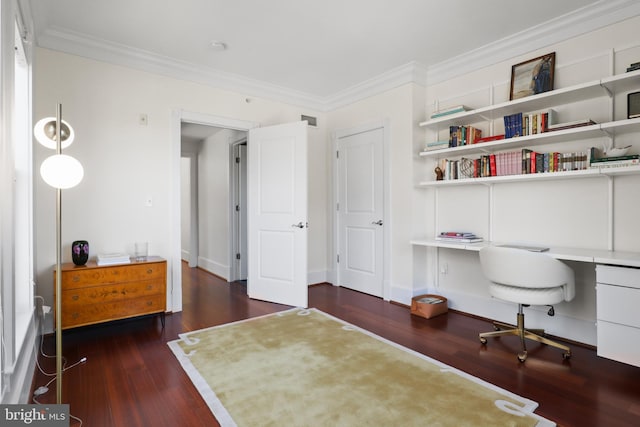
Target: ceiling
[315, 49]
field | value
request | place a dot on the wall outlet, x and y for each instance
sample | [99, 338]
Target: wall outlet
[444, 268]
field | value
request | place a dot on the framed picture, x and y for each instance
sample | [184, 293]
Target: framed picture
[633, 105]
[533, 76]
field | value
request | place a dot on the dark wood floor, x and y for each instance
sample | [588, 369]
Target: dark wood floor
[131, 378]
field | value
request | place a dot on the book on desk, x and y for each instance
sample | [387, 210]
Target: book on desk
[459, 237]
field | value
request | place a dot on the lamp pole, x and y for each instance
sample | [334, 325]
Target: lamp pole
[58, 290]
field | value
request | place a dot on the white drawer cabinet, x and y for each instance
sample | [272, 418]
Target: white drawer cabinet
[618, 300]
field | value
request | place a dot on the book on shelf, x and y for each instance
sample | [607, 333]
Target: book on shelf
[618, 161]
[571, 125]
[523, 124]
[448, 111]
[633, 67]
[526, 161]
[616, 158]
[463, 135]
[436, 145]
[490, 138]
[112, 258]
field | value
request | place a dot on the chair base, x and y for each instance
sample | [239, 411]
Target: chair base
[502, 329]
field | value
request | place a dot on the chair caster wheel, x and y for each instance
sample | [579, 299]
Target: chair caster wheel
[522, 356]
[567, 355]
[483, 340]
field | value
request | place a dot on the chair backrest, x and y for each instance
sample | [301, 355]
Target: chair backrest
[526, 269]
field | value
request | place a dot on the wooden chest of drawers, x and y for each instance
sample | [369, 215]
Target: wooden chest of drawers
[95, 294]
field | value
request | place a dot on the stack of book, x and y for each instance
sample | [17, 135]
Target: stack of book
[115, 258]
[436, 145]
[449, 111]
[633, 67]
[615, 162]
[571, 125]
[459, 237]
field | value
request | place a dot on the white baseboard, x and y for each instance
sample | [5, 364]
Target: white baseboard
[315, 277]
[216, 268]
[579, 330]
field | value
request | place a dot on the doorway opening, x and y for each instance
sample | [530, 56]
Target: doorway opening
[213, 199]
[204, 196]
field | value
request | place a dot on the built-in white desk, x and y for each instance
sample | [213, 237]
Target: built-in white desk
[597, 256]
[617, 293]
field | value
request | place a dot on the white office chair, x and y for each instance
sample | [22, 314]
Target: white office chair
[526, 278]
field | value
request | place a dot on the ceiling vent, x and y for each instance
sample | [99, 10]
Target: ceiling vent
[312, 121]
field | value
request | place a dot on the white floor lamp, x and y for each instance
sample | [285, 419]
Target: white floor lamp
[61, 172]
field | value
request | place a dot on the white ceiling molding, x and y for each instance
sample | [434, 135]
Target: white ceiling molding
[114, 53]
[587, 19]
[412, 72]
[562, 28]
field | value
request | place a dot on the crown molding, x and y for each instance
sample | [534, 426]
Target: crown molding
[559, 29]
[90, 47]
[98, 49]
[589, 18]
[413, 72]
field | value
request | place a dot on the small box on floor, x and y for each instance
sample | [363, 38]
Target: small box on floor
[428, 306]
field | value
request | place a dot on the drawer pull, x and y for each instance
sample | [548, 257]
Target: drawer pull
[149, 303]
[76, 278]
[150, 270]
[75, 297]
[149, 287]
[75, 315]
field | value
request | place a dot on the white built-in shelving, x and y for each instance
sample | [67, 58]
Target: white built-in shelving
[608, 87]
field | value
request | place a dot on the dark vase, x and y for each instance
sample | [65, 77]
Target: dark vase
[80, 252]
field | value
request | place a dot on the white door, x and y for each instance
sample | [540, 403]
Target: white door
[277, 215]
[360, 211]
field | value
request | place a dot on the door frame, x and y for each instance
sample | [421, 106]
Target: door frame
[386, 197]
[235, 189]
[174, 294]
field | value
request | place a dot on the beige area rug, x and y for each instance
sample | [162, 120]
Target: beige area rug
[306, 368]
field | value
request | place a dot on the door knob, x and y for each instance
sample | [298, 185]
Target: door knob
[378, 222]
[298, 225]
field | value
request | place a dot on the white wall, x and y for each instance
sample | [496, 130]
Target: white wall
[126, 162]
[570, 213]
[185, 207]
[213, 203]
[403, 107]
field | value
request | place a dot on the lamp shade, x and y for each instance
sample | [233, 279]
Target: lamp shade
[45, 133]
[61, 171]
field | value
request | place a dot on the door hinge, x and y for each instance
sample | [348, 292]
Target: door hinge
[237, 158]
[237, 206]
[337, 256]
[237, 255]
[337, 152]
[337, 204]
